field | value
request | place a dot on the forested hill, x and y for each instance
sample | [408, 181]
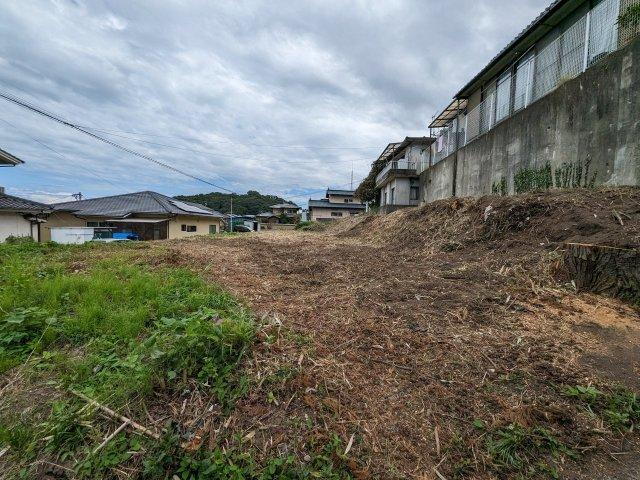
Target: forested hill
[250, 203]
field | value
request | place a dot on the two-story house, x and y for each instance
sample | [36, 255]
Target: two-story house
[335, 205]
[285, 213]
[556, 107]
[398, 183]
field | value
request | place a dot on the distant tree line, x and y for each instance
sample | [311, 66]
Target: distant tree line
[250, 203]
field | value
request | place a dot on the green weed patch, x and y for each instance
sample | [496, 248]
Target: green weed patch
[516, 448]
[620, 408]
[103, 321]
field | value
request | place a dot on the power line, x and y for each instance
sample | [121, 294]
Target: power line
[57, 153]
[204, 152]
[318, 191]
[57, 119]
[210, 141]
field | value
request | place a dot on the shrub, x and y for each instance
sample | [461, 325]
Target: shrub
[310, 226]
[23, 330]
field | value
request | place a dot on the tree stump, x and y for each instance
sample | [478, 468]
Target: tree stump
[606, 270]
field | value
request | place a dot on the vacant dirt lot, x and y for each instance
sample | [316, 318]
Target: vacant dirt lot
[417, 336]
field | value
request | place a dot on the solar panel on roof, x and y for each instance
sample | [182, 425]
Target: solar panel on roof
[189, 208]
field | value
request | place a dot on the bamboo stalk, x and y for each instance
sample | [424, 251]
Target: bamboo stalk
[117, 416]
[108, 439]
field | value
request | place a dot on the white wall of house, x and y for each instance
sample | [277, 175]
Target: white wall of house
[14, 224]
[343, 199]
[398, 192]
[417, 153]
[320, 214]
[203, 226]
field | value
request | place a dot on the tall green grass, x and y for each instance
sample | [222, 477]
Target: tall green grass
[45, 300]
[107, 324]
[101, 320]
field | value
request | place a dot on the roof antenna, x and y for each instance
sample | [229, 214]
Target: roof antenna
[77, 196]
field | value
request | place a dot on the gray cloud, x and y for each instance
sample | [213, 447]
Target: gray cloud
[221, 76]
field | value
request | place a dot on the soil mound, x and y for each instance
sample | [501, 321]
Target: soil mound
[605, 217]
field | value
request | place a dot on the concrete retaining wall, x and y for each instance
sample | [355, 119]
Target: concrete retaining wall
[277, 226]
[587, 131]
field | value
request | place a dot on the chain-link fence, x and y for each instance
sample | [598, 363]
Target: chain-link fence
[589, 39]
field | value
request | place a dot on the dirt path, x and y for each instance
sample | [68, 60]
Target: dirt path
[413, 355]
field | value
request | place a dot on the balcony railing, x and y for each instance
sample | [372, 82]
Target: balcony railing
[584, 43]
[395, 165]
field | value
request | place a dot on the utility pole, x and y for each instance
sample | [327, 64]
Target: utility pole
[231, 218]
[352, 174]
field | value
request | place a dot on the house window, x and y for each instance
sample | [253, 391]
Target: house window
[336, 214]
[189, 228]
[523, 83]
[503, 96]
[97, 224]
[213, 229]
[414, 193]
[393, 195]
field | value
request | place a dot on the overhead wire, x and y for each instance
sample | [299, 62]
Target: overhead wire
[99, 177]
[205, 152]
[320, 191]
[38, 110]
[78, 128]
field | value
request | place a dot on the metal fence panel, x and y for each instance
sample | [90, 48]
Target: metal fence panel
[503, 97]
[523, 83]
[603, 34]
[590, 38]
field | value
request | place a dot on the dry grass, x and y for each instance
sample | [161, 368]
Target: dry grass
[406, 332]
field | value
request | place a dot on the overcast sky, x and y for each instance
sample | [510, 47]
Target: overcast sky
[282, 97]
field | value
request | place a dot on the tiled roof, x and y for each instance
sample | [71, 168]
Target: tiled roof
[324, 203]
[149, 203]
[285, 205]
[540, 19]
[17, 204]
[331, 191]
[395, 148]
[7, 159]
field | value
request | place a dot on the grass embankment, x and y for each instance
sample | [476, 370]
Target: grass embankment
[101, 320]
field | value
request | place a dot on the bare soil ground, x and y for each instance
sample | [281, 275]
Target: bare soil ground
[411, 336]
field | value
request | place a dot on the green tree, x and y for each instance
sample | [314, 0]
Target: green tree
[250, 203]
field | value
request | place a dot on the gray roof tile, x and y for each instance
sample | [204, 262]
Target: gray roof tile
[7, 159]
[331, 191]
[146, 203]
[284, 205]
[9, 202]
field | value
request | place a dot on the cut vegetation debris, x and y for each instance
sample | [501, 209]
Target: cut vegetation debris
[447, 341]
[116, 363]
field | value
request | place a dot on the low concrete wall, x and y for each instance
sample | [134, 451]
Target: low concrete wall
[436, 182]
[587, 131]
[277, 226]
